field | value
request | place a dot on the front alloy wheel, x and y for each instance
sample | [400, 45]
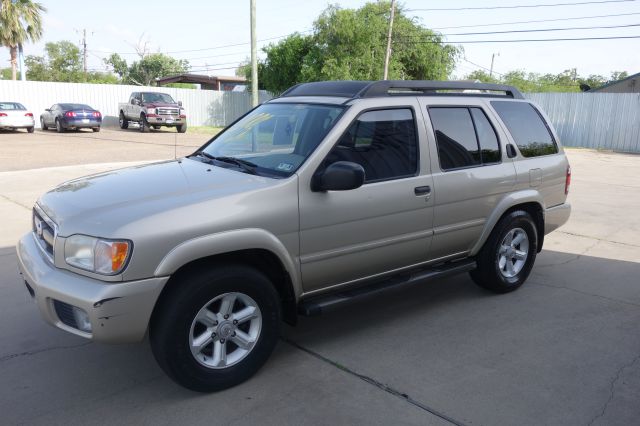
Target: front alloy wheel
[225, 330]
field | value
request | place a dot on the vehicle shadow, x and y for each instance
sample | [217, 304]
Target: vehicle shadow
[449, 324]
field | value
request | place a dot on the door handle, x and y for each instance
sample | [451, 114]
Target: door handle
[422, 190]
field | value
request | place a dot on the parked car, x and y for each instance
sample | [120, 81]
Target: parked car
[152, 109]
[14, 115]
[333, 191]
[69, 116]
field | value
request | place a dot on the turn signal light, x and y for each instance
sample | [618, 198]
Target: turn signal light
[567, 181]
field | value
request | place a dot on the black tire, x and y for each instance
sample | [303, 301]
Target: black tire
[42, 125]
[156, 127]
[31, 129]
[182, 128]
[124, 123]
[489, 273]
[59, 127]
[96, 129]
[144, 125]
[171, 325]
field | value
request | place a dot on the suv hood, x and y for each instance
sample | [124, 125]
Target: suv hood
[109, 200]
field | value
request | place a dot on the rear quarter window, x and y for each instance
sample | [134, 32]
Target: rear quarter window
[527, 128]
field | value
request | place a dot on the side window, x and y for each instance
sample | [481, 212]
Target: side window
[383, 142]
[527, 128]
[455, 137]
[489, 147]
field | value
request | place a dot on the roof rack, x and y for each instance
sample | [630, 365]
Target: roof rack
[375, 89]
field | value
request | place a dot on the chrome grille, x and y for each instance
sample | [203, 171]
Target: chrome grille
[168, 111]
[44, 232]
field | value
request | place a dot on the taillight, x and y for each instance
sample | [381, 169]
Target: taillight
[2, 114]
[96, 114]
[69, 114]
[28, 114]
[567, 180]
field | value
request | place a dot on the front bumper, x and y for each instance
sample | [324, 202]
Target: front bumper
[166, 120]
[16, 122]
[118, 312]
[556, 216]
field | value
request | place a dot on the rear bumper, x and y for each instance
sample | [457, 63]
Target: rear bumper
[80, 123]
[556, 216]
[118, 312]
[16, 122]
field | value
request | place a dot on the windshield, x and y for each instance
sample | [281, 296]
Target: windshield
[157, 97]
[276, 138]
[11, 106]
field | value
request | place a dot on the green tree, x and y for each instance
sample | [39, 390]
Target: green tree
[20, 22]
[149, 68]
[618, 75]
[5, 73]
[62, 61]
[350, 44]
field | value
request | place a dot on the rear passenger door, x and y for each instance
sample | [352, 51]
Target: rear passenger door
[471, 171]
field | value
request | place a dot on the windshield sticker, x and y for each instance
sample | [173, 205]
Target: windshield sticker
[285, 167]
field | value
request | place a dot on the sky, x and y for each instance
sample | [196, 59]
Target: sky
[214, 35]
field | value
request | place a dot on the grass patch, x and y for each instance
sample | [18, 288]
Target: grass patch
[204, 130]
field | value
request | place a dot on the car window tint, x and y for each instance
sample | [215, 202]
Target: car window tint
[455, 137]
[526, 127]
[489, 147]
[383, 142]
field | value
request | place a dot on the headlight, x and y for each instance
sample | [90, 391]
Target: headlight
[107, 257]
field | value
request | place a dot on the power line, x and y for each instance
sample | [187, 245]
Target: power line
[545, 29]
[519, 41]
[536, 21]
[515, 6]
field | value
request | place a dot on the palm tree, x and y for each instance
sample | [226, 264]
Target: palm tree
[20, 21]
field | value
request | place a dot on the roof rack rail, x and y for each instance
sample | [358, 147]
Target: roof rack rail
[372, 89]
[400, 87]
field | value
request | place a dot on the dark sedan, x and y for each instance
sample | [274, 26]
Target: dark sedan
[71, 116]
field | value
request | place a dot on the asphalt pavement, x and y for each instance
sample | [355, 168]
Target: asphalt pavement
[562, 350]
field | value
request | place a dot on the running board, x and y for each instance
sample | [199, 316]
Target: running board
[316, 305]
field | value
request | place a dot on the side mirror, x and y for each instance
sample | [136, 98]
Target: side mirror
[339, 176]
[48, 109]
[179, 103]
[133, 101]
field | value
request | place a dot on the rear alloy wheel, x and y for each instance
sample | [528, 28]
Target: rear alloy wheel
[42, 125]
[506, 259]
[59, 127]
[96, 129]
[124, 123]
[215, 326]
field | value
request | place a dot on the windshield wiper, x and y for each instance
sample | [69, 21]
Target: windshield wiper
[245, 165]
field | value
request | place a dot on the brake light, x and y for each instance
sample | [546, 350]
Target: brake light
[567, 181]
[2, 114]
[69, 114]
[96, 114]
[28, 114]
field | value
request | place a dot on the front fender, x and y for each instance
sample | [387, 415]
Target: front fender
[226, 242]
[510, 200]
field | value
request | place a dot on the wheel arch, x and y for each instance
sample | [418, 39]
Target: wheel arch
[530, 201]
[253, 247]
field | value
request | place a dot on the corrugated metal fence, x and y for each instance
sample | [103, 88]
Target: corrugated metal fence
[594, 120]
[204, 107]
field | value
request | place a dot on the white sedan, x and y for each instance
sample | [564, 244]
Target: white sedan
[14, 115]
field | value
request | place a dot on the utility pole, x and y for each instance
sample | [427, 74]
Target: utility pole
[84, 53]
[493, 56]
[387, 56]
[254, 56]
